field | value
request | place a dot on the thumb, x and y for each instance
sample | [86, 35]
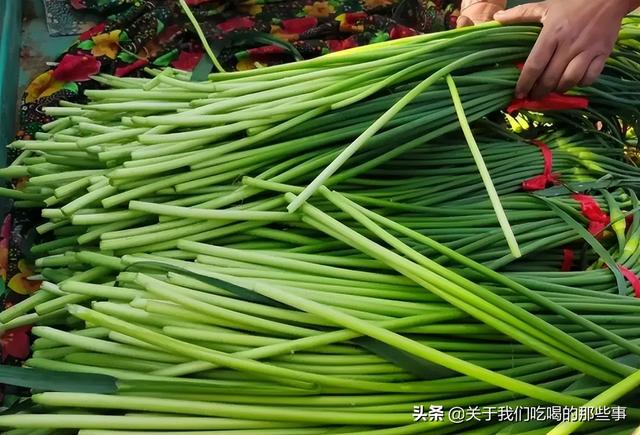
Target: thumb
[464, 21]
[527, 13]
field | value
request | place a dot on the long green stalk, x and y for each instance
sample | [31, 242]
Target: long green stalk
[484, 172]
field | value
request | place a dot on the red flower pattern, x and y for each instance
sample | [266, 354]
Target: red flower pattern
[398, 31]
[187, 60]
[131, 67]
[236, 24]
[344, 44]
[299, 25]
[95, 30]
[76, 68]
[15, 343]
[5, 235]
[78, 4]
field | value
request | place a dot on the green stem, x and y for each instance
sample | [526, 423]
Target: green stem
[484, 172]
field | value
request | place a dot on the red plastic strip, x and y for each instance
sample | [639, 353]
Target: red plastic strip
[632, 278]
[568, 256]
[548, 178]
[553, 101]
[628, 219]
[598, 219]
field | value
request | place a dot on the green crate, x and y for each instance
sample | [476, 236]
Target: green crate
[10, 27]
[23, 29]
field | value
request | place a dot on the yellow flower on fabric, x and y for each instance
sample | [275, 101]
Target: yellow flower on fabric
[255, 10]
[372, 4]
[278, 32]
[346, 26]
[42, 86]
[250, 8]
[106, 44]
[319, 9]
[245, 64]
[20, 283]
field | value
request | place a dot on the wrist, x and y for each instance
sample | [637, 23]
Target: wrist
[499, 3]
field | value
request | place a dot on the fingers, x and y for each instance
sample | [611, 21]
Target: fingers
[536, 64]
[477, 13]
[560, 75]
[572, 47]
[549, 80]
[575, 71]
[542, 51]
[594, 70]
[527, 13]
[464, 21]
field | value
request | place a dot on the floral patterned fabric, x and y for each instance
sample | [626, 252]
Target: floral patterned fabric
[246, 34]
[64, 20]
[137, 33]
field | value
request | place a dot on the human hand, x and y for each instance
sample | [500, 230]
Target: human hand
[574, 44]
[473, 13]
